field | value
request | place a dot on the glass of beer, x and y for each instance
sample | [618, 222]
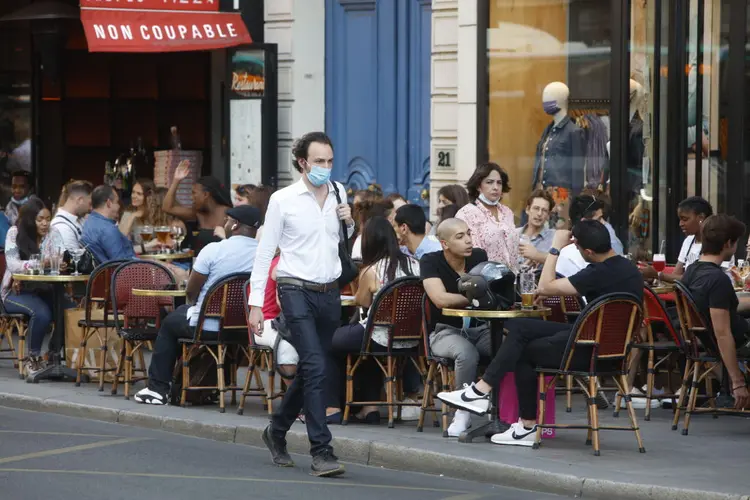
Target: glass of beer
[162, 234]
[527, 287]
[147, 233]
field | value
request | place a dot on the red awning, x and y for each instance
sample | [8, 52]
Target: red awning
[160, 26]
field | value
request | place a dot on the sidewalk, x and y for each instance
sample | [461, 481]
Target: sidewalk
[711, 463]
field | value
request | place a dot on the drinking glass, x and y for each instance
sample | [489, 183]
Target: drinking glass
[35, 263]
[75, 256]
[147, 233]
[55, 258]
[659, 264]
[527, 289]
[178, 234]
[162, 234]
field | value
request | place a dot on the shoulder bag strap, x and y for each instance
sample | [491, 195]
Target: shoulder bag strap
[345, 235]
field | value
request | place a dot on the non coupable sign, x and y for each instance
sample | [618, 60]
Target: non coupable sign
[131, 31]
[194, 5]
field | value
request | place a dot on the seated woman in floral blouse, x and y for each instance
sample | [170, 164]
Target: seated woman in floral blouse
[491, 223]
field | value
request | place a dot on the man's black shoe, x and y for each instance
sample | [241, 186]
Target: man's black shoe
[278, 449]
[326, 464]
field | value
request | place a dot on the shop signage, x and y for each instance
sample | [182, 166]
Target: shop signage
[193, 5]
[129, 30]
[248, 74]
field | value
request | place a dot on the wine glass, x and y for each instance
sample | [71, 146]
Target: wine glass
[659, 264]
[178, 234]
[147, 233]
[75, 256]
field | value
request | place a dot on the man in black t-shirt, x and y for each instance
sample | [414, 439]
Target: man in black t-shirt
[715, 297]
[532, 343]
[451, 338]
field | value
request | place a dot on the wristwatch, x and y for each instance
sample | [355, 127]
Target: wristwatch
[554, 251]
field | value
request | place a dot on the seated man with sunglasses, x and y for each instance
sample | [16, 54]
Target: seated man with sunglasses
[531, 342]
[584, 207]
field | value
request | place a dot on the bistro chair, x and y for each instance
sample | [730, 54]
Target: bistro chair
[97, 297]
[440, 376]
[137, 319]
[8, 324]
[655, 312]
[225, 303]
[396, 307]
[603, 331]
[703, 357]
[258, 358]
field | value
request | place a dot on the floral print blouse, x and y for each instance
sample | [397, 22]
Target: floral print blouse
[498, 238]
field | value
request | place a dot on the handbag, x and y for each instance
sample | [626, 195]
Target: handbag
[86, 264]
[349, 270]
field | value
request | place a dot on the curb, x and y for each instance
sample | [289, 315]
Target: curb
[372, 453]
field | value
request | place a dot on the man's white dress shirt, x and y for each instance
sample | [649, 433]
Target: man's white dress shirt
[69, 227]
[307, 236]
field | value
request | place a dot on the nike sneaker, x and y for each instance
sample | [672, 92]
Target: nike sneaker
[517, 435]
[468, 398]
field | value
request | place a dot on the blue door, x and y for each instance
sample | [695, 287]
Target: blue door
[378, 93]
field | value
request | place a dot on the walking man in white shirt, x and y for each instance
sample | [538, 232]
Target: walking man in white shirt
[303, 222]
[67, 220]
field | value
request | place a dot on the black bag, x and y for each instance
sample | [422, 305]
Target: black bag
[202, 373]
[349, 270]
[86, 264]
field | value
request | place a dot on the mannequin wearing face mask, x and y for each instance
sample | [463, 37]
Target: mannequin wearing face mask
[560, 154]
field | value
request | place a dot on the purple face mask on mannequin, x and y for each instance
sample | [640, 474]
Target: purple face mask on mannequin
[550, 107]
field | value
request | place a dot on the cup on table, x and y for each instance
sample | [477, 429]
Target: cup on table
[55, 260]
[162, 234]
[527, 288]
[147, 233]
[35, 264]
[659, 264]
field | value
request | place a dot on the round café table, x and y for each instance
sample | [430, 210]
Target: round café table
[56, 369]
[168, 257]
[496, 320]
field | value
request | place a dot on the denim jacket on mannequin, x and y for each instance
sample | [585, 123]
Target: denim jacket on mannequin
[560, 157]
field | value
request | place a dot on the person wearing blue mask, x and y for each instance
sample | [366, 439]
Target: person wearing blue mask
[21, 187]
[303, 222]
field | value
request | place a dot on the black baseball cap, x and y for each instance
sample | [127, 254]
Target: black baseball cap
[218, 191]
[246, 215]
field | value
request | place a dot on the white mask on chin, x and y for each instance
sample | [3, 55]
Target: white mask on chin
[484, 200]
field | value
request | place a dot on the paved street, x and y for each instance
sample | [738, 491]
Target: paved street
[52, 456]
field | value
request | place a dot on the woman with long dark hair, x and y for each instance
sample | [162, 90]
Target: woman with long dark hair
[382, 262]
[30, 234]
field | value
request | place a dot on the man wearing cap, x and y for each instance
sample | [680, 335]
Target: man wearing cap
[236, 254]
[211, 199]
[304, 222]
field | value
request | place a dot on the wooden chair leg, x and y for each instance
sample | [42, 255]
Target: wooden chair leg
[589, 431]
[650, 376]
[389, 390]
[82, 356]
[595, 413]
[103, 359]
[220, 382]
[569, 393]
[349, 392]
[697, 370]
[684, 390]
[119, 369]
[248, 380]
[631, 414]
[128, 368]
[267, 400]
[445, 380]
[185, 375]
[426, 396]
[21, 327]
[540, 412]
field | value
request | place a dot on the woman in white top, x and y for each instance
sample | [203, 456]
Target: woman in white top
[382, 262]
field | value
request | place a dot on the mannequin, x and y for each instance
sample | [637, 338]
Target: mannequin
[560, 154]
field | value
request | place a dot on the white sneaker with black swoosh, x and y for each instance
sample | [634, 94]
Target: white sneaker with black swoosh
[468, 399]
[517, 435]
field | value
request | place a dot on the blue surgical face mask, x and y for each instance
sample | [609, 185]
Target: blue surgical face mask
[318, 175]
[484, 200]
[551, 107]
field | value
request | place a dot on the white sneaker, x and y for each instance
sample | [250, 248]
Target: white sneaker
[517, 435]
[461, 422]
[639, 403]
[408, 413]
[466, 399]
[149, 397]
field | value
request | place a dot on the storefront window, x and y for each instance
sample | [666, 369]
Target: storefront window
[549, 79]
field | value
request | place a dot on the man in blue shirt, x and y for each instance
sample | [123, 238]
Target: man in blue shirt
[100, 233]
[236, 254]
[409, 224]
